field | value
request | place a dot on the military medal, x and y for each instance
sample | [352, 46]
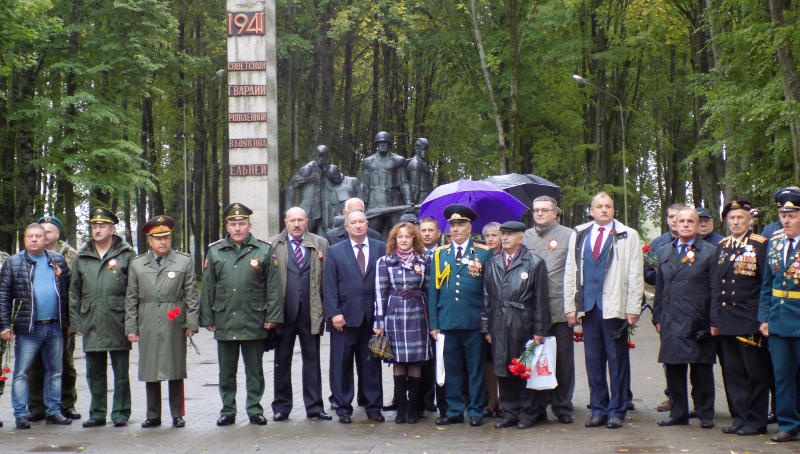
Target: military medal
[475, 267]
[254, 263]
[689, 256]
[171, 275]
[552, 244]
[524, 276]
[112, 262]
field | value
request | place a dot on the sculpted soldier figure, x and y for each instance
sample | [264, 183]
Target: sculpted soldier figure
[384, 183]
[340, 189]
[420, 181]
[310, 180]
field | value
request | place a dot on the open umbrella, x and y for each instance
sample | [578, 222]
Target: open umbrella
[526, 188]
[490, 202]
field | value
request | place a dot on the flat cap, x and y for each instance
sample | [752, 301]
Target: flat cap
[703, 212]
[50, 219]
[100, 215]
[735, 205]
[236, 212]
[513, 226]
[409, 217]
[161, 225]
[459, 213]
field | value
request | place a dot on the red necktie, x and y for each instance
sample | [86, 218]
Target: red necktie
[598, 244]
[361, 259]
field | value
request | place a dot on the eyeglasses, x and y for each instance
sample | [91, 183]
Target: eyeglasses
[542, 210]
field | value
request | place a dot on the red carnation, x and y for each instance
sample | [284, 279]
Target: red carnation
[647, 248]
[6, 370]
[173, 314]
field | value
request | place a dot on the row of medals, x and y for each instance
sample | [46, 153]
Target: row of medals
[745, 264]
[475, 265]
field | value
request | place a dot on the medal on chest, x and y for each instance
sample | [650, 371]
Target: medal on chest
[745, 263]
[417, 269]
[552, 244]
[254, 263]
[171, 275]
[689, 256]
[112, 263]
[475, 267]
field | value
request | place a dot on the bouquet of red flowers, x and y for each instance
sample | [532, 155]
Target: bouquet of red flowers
[5, 349]
[518, 367]
[172, 315]
[577, 333]
[650, 257]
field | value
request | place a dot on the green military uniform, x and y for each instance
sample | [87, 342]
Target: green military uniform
[69, 396]
[241, 293]
[154, 291]
[455, 297]
[97, 311]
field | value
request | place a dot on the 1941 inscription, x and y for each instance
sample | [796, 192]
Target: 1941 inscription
[247, 90]
[247, 143]
[247, 170]
[246, 24]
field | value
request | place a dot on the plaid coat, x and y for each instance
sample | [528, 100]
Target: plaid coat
[401, 306]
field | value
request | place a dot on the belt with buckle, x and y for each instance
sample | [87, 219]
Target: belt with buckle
[785, 294]
[45, 322]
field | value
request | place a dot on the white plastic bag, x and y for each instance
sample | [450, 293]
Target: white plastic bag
[543, 365]
[440, 359]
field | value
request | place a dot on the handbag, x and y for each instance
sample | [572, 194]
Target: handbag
[380, 347]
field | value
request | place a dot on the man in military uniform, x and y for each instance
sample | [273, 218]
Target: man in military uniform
[736, 280]
[97, 312]
[779, 312]
[69, 396]
[420, 182]
[548, 239]
[454, 304]
[384, 183]
[241, 301]
[161, 310]
[310, 180]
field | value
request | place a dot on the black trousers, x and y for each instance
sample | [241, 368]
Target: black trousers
[153, 389]
[347, 345]
[702, 378]
[312, 375]
[520, 402]
[427, 386]
[748, 374]
[560, 398]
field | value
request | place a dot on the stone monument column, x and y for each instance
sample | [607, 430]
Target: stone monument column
[253, 111]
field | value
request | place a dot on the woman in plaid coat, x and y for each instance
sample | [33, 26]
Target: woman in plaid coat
[401, 308]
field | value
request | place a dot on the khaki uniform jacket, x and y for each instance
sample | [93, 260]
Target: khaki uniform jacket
[97, 296]
[67, 251]
[241, 289]
[152, 293]
[318, 250]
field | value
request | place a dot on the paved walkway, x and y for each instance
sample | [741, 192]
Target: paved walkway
[299, 435]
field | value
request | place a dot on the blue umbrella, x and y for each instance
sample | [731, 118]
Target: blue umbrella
[491, 203]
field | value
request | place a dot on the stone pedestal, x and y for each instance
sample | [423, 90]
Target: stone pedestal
[253, 111]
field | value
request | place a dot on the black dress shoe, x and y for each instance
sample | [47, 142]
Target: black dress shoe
[630, 406]
[614, 423]
[673, 422]
[57, 419]
[732, 429]
[447, 420]
[258, 419]
[772, 418]
[597, 421]
[178, 422]
[23, 423]
[565, 419]
[748, 431]
[120, 422]
[150, 423]
[71, 414]
[692, 414]
[476, 421]
[320, 416]
[706, 424]
[524, 424]
[376, 416]
[36, 416]
[488, 413]
[500, 413]
[226, 420]
[782, 437]
[345, 419]
[280, 416]
[505, 423]
[391, 407]
[94, 422]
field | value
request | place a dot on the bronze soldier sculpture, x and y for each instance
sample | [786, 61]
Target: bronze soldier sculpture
[384, 185]
[310, 180]
[420, 181]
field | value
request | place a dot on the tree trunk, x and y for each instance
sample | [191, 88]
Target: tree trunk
[790, 77]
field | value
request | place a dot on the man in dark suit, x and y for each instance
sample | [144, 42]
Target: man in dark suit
[300, 255]
[349, 295]
[682, 315]
[779, 312]
[736, 279]
[339, 233]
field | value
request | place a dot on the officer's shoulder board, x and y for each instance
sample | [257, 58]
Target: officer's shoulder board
[778, 234]
[441, 248]
[215, 242]
[183, 253]
[264, 241]
[482, 246]
[140, 256]
[758, 238]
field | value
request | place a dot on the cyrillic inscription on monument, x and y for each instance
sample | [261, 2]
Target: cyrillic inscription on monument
[246, 24]
[247, 66]
[247, 170]
[246, 117]
[247, 143]
[247, 90]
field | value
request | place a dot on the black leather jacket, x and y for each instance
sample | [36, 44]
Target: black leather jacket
[16, 291]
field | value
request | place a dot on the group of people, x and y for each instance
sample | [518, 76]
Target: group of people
[485, 301]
